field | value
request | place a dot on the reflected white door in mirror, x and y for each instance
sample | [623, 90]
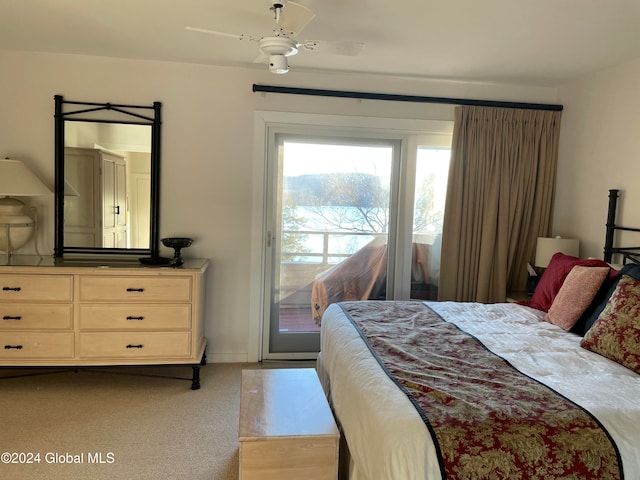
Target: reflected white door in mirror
[97, 214]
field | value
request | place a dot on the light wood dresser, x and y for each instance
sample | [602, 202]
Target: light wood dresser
[75, 313]
[287, 430]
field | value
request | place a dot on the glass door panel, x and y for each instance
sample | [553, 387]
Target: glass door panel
[332, 223]
[432, 170]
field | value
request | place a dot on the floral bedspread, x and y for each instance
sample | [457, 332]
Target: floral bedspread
[487, 420]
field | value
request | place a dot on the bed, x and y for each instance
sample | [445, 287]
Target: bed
[468, 390]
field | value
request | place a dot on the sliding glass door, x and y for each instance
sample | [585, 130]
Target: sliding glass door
[331, 218]
[347, 218]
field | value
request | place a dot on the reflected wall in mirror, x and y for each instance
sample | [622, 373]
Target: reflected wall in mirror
[107, 178]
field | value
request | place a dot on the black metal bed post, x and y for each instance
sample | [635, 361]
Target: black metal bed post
[611, 224]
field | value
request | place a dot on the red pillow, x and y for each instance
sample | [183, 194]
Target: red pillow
[553, 277]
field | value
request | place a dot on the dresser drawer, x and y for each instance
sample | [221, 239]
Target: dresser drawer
[135, 317]
[135, 345]
[16, 346]
[35, 317]
[36, 288]
[135, 289]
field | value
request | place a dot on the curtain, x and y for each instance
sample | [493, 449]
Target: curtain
[499, 200]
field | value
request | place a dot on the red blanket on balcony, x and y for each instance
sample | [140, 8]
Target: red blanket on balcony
[487, 420]
[363, 276]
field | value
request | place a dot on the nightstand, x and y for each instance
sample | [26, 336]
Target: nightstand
[513, 297]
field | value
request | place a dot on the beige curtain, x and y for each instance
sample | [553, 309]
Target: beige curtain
[499, 200]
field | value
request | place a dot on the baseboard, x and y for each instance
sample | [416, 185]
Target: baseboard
[227, 358]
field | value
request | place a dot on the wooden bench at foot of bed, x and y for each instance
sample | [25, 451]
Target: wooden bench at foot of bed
[287, 430]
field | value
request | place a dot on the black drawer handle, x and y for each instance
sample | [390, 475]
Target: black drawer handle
[7, 317]
[135, 289]
[9, 347]
[130, 346]
[135, 318]
[11, 289]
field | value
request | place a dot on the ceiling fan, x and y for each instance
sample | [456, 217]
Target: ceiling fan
[290, 18]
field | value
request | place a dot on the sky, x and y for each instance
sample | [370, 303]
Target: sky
[307, 158]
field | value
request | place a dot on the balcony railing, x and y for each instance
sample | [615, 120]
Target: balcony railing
[327, 250]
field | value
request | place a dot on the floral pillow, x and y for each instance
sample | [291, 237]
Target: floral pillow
[594, 310]
[616, 332]
[576, 294]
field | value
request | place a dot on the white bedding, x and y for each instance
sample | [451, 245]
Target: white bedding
[387, 439]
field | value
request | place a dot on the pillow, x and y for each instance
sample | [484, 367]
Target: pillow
[575, 295]
[616, 333]
[551, 280]
[594, 310]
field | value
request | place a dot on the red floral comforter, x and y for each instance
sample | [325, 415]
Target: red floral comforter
[487, 420]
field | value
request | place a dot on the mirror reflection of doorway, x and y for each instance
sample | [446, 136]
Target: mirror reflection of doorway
[107, 185]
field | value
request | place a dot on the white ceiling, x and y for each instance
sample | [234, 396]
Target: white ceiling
[535, 42]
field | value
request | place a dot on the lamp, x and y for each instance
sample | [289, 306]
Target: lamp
[16, 227]
[547, 247]
[278, 64]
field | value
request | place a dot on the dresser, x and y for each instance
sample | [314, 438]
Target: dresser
[56, 313]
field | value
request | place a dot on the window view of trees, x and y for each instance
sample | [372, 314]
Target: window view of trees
[335, 219]
[335, 199]
[357, 203]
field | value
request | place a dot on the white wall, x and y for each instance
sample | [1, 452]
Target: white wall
[599, 150]
[207, 150]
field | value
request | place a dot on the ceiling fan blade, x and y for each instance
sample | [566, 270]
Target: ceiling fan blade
[241, 36]
[350, 49]
[294, 18]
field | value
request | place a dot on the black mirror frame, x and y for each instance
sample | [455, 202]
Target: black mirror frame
[129, 114]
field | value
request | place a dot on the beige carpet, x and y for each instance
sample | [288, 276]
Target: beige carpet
[139, 427]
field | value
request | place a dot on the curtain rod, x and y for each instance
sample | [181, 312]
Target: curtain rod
[403, 98]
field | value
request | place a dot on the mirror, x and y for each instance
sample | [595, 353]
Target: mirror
[107, 166]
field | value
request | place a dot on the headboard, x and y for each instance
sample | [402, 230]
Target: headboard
[629, 254]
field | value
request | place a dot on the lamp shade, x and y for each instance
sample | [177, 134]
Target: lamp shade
[16, 179]
[16, 227]
[548, 247]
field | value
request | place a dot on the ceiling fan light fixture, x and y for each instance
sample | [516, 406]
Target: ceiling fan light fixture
[278, 64]
[278, 46]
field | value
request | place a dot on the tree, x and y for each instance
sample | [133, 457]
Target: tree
[425, 218]
[354, 202]
[291, 242]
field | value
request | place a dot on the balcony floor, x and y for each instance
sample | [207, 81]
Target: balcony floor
[297, 319]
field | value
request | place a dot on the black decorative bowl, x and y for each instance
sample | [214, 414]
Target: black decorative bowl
[177, 243]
